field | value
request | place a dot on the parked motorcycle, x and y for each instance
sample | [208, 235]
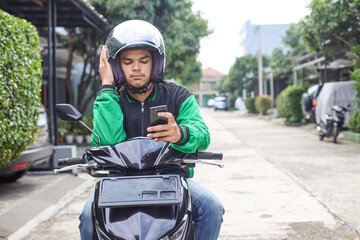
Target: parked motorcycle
[333, 123]
[143, 192]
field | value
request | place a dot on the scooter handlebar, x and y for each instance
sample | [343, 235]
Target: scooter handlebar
[64, 162]
[210, 155]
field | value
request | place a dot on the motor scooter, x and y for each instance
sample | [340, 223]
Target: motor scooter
[333, 123]
[143, 192]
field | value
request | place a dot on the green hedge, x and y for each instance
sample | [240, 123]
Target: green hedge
[288, 104]
[263, 103]
[250, 104]
[20, 85]
[355, 74]
[354, 121]
[231, 101]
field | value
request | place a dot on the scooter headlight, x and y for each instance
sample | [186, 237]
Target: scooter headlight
[178, 234]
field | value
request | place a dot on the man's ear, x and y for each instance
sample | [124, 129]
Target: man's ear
[119, 75]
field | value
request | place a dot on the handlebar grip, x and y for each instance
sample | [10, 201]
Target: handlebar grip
[211, 155]
[63, 162]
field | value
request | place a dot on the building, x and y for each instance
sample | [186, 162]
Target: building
[207, 87]
[270, 37]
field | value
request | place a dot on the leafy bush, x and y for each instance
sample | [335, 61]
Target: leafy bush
[231, 101]
[250, 104]
[20, 85]
[288, 104]
[263, 103]
[354, 121]
[63, 127]
[355, 74]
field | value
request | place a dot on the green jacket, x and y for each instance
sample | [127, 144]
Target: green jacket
[118, 116]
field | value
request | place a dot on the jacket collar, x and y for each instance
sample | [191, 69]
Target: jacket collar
[149, 98]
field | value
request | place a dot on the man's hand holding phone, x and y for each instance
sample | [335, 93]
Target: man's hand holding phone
[161, 131]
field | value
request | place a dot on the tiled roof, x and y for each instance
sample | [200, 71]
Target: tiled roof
[211, 73]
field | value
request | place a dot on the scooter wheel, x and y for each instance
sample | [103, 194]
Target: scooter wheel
[321, 137]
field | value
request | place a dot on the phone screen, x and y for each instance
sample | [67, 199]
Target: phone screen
[154, 118]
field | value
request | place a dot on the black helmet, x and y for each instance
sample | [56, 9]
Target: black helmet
[136, 34]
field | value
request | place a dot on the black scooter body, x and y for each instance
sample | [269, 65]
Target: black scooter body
[143, 193]
[147, 197]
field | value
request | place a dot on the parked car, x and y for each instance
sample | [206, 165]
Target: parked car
[35, 154]
[240, 104]
[335, 93]
[220, 103]
[210, 102]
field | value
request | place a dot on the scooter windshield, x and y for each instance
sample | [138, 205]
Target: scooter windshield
[137, 153]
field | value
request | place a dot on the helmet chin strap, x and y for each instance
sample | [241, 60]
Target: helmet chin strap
[140, 90]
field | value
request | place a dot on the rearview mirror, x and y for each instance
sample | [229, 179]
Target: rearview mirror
[67, 112]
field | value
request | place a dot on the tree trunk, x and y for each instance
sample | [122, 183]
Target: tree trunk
[71, 42]
[86, 77]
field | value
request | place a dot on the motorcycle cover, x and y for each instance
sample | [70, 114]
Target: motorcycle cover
[335, 93]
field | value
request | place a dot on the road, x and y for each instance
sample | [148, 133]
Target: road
[278, 183]
[289, 185]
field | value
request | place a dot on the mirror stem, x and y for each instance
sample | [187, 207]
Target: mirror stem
[91, 131]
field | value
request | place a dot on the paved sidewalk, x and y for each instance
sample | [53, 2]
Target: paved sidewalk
[261, 200]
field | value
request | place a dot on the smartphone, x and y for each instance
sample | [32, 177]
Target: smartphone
[154, 118]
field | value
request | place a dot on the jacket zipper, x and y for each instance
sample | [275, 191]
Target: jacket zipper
[142, 119]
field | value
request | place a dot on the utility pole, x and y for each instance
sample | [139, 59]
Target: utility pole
[260, 65]
[294, 72]
[272, 88]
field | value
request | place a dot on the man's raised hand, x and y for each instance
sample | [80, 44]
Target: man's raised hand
[106, 74]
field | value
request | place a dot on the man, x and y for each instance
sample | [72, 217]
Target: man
[134, 61]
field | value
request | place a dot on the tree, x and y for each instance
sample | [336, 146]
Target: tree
[295, 41]
[243, 74]
[80, 41]
[181, 28]
[333, 27]
[281, 60]
[336, 21]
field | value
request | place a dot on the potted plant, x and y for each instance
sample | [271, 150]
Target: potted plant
[79, 137]
[62, 131]
[69, 136]
[87, 138]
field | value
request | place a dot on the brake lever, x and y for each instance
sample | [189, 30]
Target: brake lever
[86, 165]
[220, 165]
[209, 162]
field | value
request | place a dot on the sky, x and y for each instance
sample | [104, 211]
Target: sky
[226, 17]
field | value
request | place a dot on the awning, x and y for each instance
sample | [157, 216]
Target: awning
[70, 13]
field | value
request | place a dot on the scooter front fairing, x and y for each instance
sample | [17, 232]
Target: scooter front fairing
[146, 197]
[145, 217]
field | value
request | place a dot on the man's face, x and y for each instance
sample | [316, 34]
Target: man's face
[136, 65]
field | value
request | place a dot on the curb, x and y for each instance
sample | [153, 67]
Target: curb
[50, 212]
